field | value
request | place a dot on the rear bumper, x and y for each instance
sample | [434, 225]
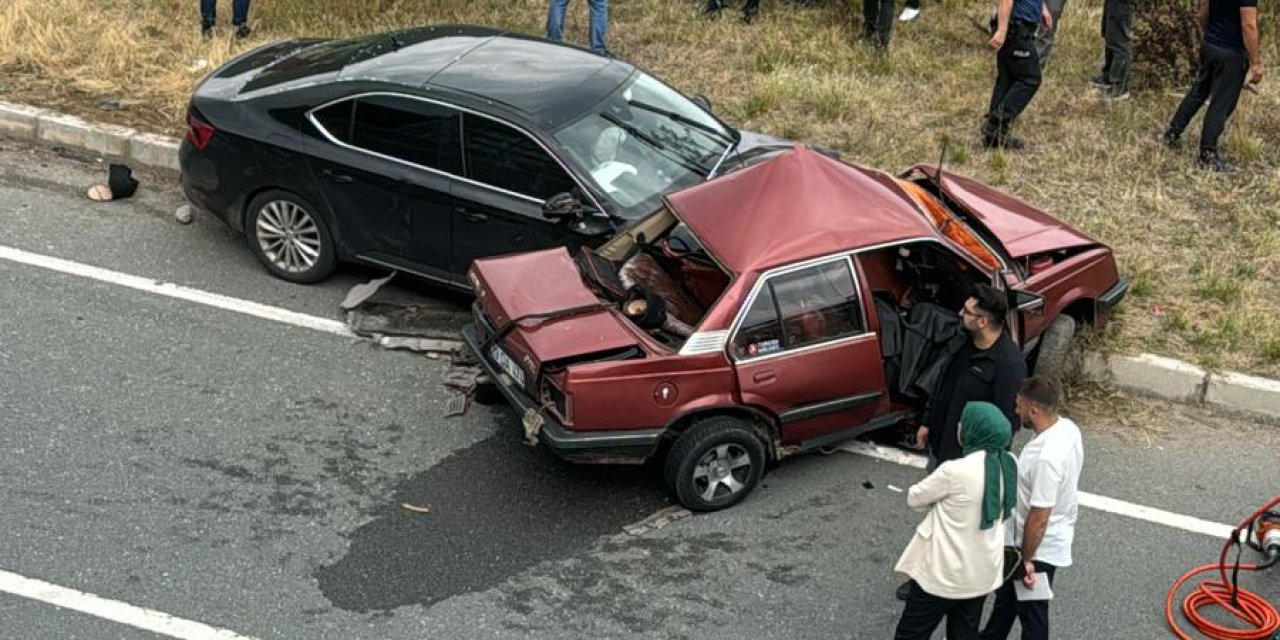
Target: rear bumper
[1112, 297]
[592, 447]
[198, 175]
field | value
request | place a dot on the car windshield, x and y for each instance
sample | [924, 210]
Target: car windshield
[643, 141]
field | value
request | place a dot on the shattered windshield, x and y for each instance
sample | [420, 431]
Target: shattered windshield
[644, 141]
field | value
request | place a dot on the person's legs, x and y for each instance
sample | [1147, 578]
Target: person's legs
[1025, 69]
[239, 12]
[992, 125]
[963, 619]
[870, 17]
[1045, 37]
[598, 17]
[1119, 38]
[1195, 97]
[749, 10]
[921, 615]
[884, 28]
[208, 13]
[1003, 613]
[1034, 614]
[1224, 95]
[555, 19]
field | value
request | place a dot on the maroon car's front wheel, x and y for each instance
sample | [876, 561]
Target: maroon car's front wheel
[714, 464]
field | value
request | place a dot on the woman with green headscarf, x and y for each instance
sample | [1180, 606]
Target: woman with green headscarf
[956, 556]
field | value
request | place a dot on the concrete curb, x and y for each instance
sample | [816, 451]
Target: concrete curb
[1144, 374]
[27, 123]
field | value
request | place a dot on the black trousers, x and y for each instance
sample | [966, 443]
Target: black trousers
[914, 4]
[750, 7]
[924, 611]
[877, 20]
[1032, 614]
[1017, 75]
[1117, 32]
[1219, 80]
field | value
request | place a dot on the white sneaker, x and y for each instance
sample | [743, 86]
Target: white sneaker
[908, 14]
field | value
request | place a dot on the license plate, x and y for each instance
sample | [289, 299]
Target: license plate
[507, 365]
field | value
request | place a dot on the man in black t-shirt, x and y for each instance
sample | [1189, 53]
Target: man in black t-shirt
[1230, 55]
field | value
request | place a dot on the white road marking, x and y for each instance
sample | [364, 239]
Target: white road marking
[178, 291]
[1091, 500]
[126, 614]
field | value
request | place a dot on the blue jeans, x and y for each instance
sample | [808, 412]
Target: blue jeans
[209, 12]
[598, 11]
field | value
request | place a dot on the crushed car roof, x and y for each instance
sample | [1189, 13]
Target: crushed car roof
[798, 205]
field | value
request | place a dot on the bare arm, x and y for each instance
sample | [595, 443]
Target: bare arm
[1032, 536]
[1249, 27]
[1004, 11]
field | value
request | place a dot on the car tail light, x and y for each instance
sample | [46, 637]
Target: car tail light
[199, 132]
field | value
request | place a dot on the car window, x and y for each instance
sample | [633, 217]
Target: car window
[801, 308]
[336, 119]
[503, 157]
[424, 133]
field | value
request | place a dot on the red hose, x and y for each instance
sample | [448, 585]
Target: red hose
[1261, 616]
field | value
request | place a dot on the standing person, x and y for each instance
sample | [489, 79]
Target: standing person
[1045, 37]
[877, 22]
[1017, 66]
[750, 8]
[1228, 53]
[1117, 32]
[597, 23]
[955, 557]
[1045, 521]
[988, 368]
[239, 17]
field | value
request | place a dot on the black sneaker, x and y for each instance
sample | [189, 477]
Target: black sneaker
[1211, 161]
[1171, 140]
[1003, 140]
[206, 31]
[243, 31]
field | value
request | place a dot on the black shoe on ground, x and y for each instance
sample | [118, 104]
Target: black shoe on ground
[243, 31]
[1211, 161]
[1171, 140]
[1003, 140]
[1100, 81]
[206, 31]
[1115, 93]
[748, 17]
[903, 592]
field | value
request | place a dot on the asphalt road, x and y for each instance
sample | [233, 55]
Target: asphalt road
[249, 475]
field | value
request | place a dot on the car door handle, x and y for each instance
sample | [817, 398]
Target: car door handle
[334, 176]
[474, 216]
[764, 376]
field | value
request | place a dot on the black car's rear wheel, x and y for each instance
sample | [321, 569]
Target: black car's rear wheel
[290, 239]
[715, 464]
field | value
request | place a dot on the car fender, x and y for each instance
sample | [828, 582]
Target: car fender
[763, 421]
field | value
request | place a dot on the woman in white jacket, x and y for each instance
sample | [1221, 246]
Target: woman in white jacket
[956, 556]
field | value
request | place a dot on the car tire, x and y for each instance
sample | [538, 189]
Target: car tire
[1052, 359]
[289, 237]
[700, 467]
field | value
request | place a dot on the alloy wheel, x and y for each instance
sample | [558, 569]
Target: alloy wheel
[722, 471]
[288, 236]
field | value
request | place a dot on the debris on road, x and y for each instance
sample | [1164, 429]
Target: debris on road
[120, 185]
[658, 520]
[866, 484]
[423, 345]
[894, 489]
[361, 293]
[414, 508]
[183, 215]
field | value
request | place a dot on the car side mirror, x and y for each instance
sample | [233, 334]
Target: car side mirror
[1027, 302]
[702, 102]
[561, 207]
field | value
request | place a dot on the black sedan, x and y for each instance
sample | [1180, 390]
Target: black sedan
[421, 150]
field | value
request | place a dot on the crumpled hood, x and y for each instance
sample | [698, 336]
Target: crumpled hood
[539, 284]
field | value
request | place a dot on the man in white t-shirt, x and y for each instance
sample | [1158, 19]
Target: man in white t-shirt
[1045, 520]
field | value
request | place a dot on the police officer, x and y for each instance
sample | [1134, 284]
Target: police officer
[1017, 66]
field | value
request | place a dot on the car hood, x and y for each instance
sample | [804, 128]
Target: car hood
[556, 317]
[1022, 228]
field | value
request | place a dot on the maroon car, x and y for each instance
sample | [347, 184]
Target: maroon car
[781, 308]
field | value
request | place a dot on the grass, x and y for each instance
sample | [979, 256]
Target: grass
[1203, 250]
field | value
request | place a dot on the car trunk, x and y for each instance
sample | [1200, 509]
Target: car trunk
[1023, 230]
[544, 315]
